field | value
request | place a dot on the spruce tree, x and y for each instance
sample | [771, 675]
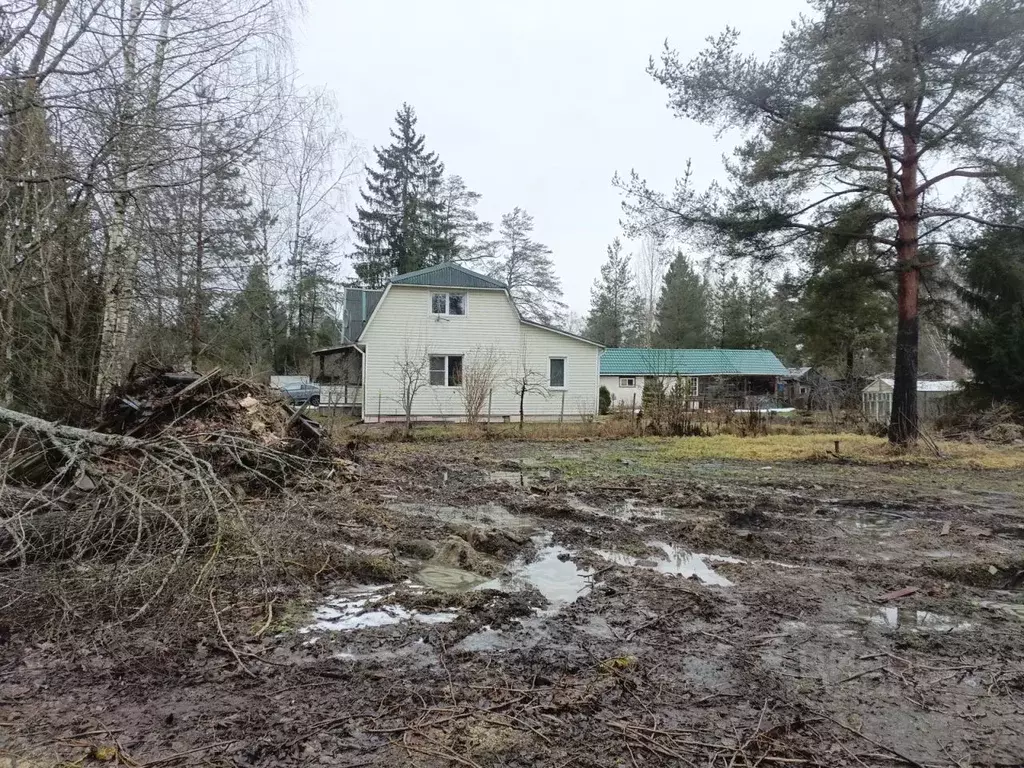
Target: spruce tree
[990, 339]
[684, 308]
[613, 301]
[399, 227]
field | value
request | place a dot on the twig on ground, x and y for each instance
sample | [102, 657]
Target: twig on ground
[224, 637]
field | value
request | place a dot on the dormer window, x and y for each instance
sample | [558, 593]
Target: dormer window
[448, 303]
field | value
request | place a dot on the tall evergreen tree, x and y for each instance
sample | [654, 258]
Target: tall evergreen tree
[780, 333]
[400, 225]
[846, 319]
[684, 307]
[990, 338]
[613, 301]
[525, 266]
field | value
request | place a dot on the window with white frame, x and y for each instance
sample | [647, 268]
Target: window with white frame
[556, 373]
[448, 303]
[627, 382]
[446, 370]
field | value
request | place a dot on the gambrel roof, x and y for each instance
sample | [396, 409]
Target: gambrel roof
[448, 275]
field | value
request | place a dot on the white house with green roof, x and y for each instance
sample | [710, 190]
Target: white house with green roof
[707, 373]
[450, 341]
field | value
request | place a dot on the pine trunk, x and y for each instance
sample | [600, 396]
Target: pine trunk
[903, 420]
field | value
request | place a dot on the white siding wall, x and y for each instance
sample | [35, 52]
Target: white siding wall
[403, 325]
[623, 396]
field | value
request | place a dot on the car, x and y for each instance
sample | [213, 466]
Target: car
[299, 393]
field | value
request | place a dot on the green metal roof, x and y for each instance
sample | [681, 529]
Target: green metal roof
[448, 275]
[690, 362]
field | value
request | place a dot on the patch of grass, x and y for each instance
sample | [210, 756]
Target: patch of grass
[601, 429]
[862, 449]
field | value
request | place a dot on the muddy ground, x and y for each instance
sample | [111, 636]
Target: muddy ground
[588, 604]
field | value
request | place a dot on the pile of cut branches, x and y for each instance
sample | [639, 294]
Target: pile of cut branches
[148, 507]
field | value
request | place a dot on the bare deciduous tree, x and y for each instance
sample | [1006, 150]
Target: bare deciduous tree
[411, 372]
[650, 263]
[526, 380]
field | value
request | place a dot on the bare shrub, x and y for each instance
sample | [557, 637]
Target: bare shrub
[479, 378]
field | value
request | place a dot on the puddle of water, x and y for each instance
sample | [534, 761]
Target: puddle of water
[447, 579]
[552, 573]
[362, 610]
[907, 618]
[676, 562]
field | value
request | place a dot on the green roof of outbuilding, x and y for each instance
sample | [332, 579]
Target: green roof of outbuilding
[690, 362]
[448, 275]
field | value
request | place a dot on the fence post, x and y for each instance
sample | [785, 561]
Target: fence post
[378, 405]
[561, 412]
[490, 397]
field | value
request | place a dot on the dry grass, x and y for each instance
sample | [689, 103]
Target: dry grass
[862, 449]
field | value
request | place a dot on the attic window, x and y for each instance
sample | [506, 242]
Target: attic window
[448, 303]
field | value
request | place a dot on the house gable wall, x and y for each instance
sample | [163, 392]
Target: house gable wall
[403, 326]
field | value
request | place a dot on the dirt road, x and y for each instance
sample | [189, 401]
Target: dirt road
[589, 604]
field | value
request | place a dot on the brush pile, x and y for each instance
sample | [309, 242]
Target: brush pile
[141, 506]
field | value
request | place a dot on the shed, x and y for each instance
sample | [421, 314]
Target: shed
[737, 374]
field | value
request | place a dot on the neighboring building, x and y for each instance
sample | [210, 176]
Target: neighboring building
[876, 398]
[710, 374]
[804, 388]
[446, 326]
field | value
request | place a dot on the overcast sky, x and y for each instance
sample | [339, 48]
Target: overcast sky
[535, 103]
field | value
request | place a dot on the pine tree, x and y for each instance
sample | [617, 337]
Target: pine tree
[400, 227]
[525, 266]
[461, 236]
[613, 301]
[684, 308]
[902, 103]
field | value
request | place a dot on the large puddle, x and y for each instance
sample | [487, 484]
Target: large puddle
[365, 608]
[552, 573]
[674, 561]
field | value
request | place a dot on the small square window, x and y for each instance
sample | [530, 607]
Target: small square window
[437, 371]
[439, 303]
[446, 370]
[557, 373]
[627, 382]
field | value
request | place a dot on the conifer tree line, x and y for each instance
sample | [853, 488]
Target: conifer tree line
[413, 214]
[167, 194]
[834, 315]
